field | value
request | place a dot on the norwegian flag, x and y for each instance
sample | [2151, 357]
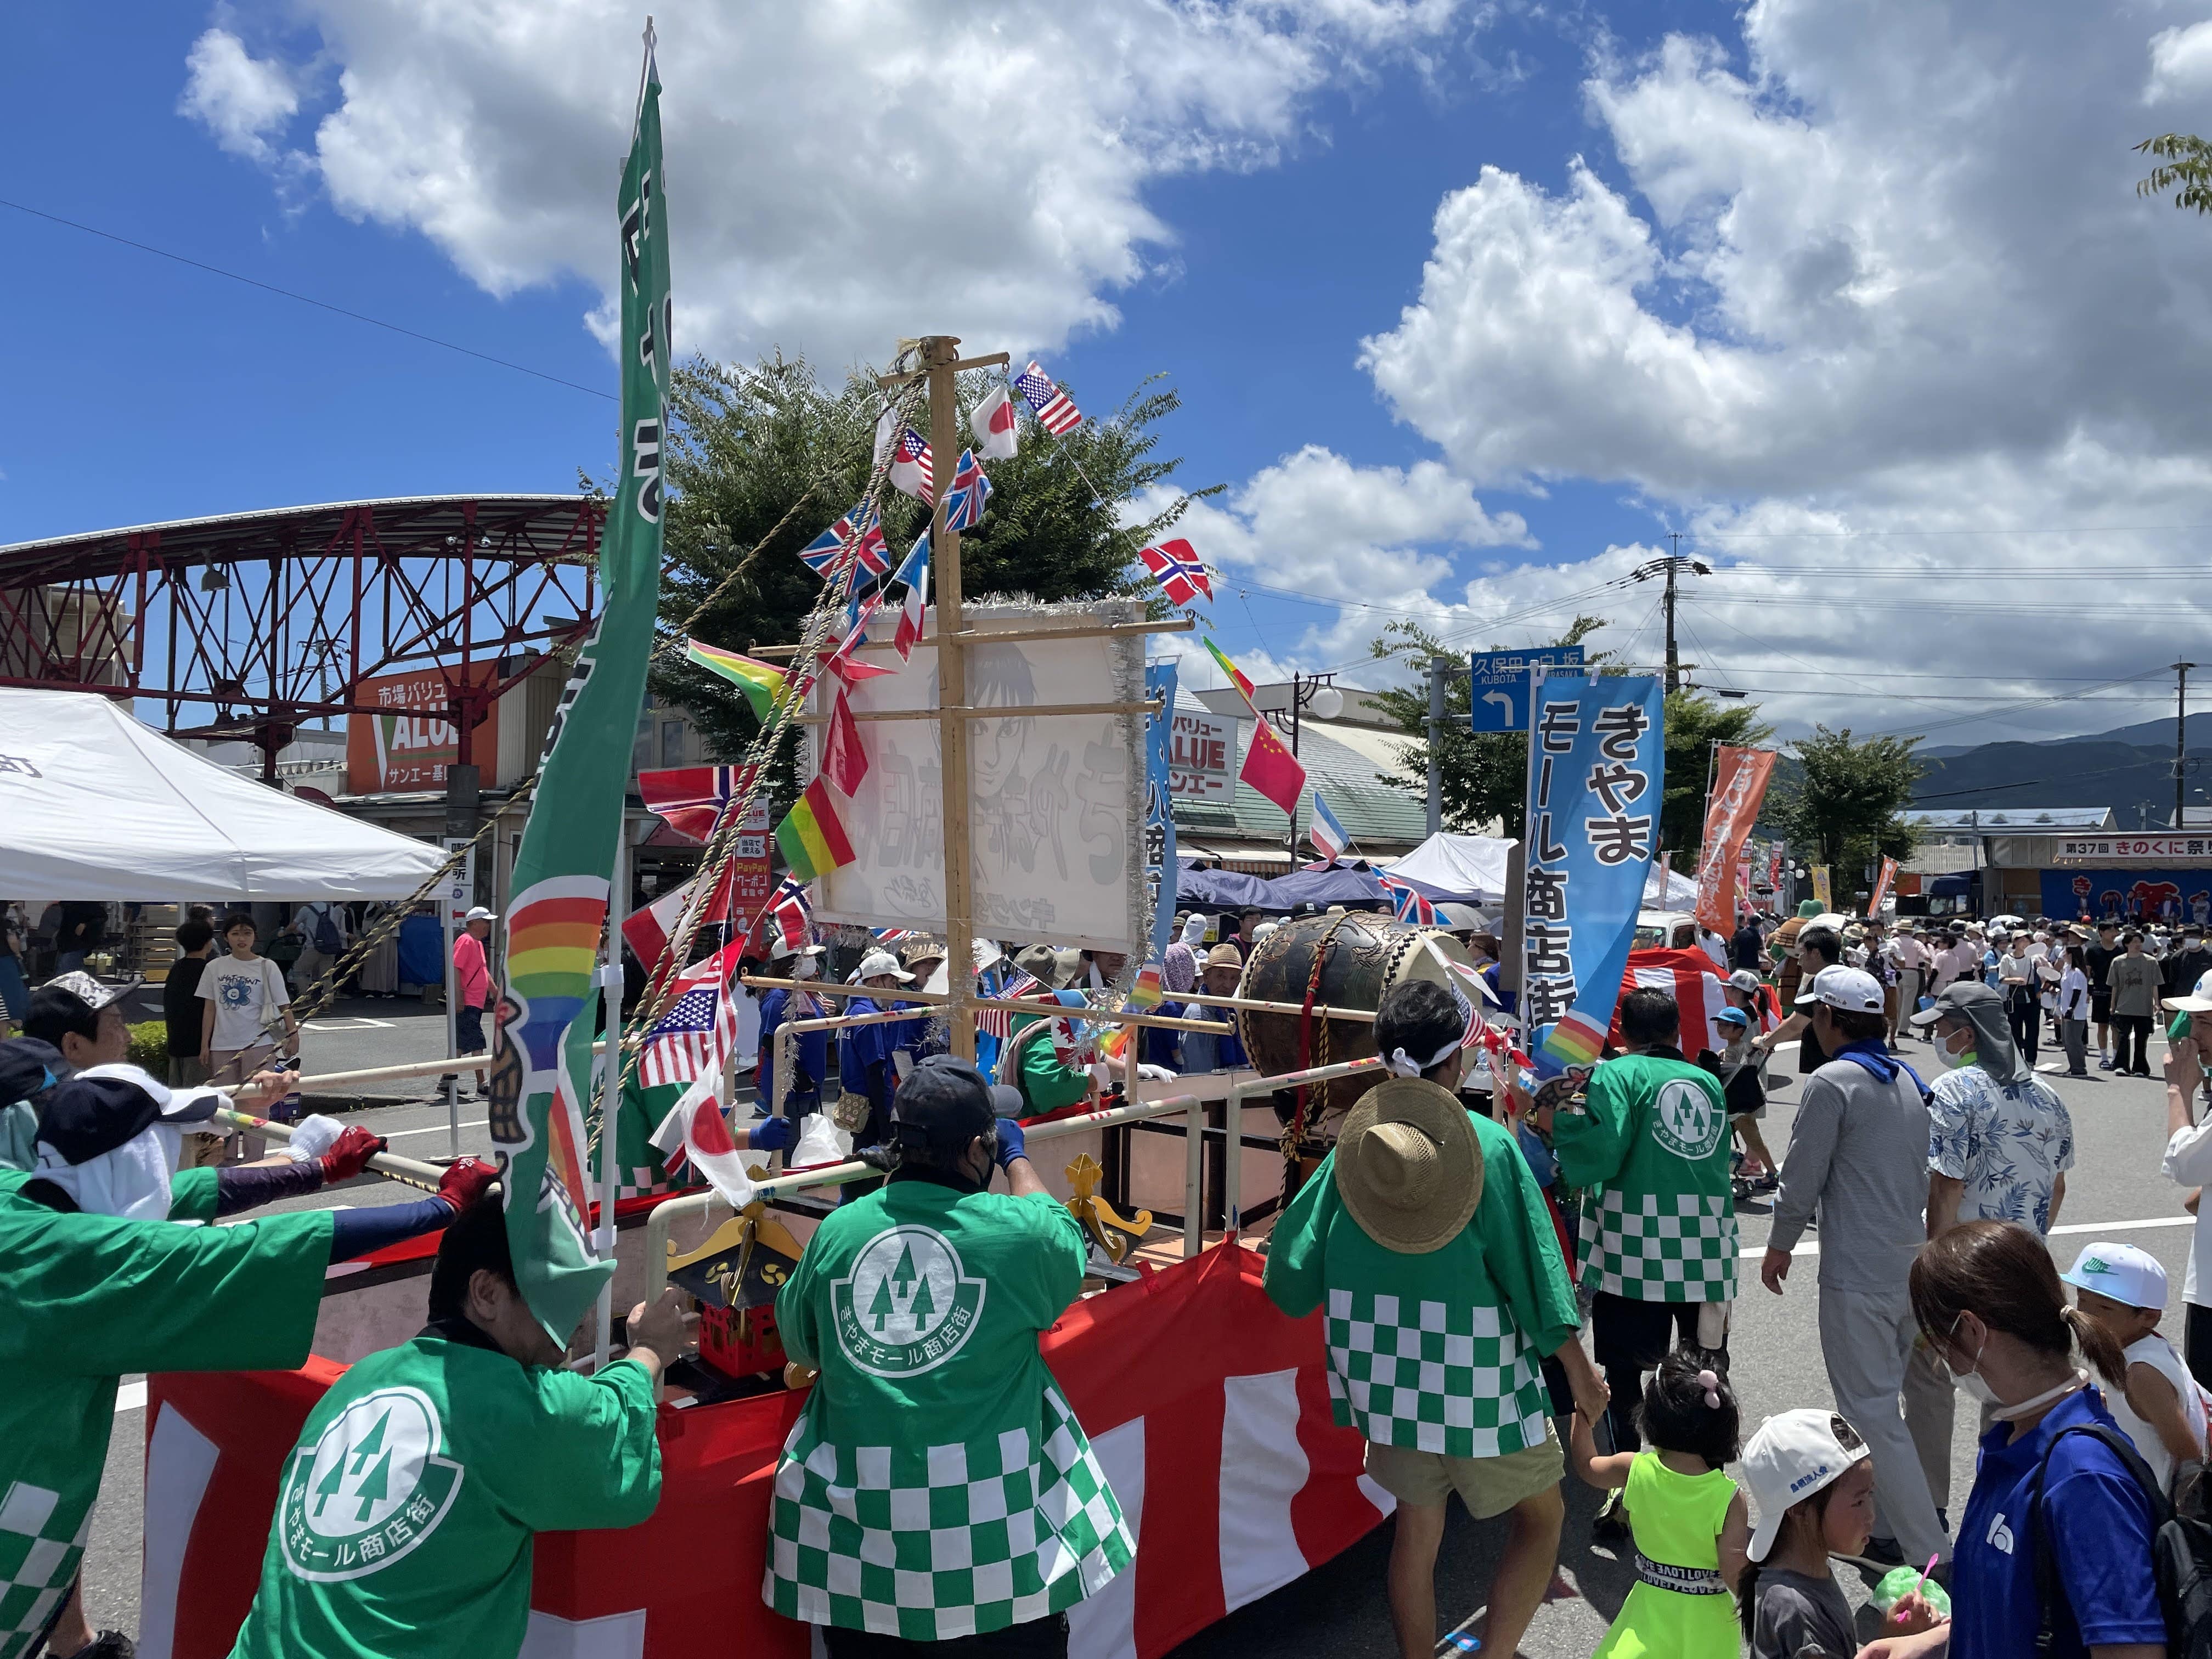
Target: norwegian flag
[1178, 571]
[695, 1037]
[999, 1022]
[692, 797]
[794, 916]
[910, 469]
[964, 507]
[859, 534]
[1055, 410]
[1408, 904]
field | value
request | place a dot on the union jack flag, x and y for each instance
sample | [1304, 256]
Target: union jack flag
[1178, 571]
[695, 1037]
[692, 797]
[1408, 905]
[964, 507]
[859, 534]
[1055, 410]
[887, 937]
[999, 1022]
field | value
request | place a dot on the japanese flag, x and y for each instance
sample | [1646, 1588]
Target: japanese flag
[695, 1129]
[992, 420]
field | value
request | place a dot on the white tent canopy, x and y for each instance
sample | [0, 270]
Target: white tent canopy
[95, 805]
[1473, 867]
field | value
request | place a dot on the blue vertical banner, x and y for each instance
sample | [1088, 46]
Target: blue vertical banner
[1597, 771]
[1159, 816]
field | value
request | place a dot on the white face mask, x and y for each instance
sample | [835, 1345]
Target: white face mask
[1978, 1386]
[804, 967]
[1957, 1058]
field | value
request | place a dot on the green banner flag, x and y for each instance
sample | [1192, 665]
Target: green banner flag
[542, 1055]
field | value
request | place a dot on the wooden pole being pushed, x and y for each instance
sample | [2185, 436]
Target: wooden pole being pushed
[940, 353]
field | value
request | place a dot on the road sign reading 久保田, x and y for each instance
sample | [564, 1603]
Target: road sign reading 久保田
[1499, 696]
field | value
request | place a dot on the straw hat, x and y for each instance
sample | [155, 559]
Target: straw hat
[1407, 1165]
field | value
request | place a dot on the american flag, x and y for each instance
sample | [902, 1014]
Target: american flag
[911, 468]
[964, 507]
[1055, 410]
[999, 1022]
[859, 534]
[695, 1036]
[1408, 904]
[1177, 569]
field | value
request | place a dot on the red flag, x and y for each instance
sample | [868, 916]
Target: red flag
[1738, 787]
[844, 762]
[1272, 768]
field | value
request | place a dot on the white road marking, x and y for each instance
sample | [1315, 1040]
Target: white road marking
[351, 1023]
[435, 1129]
[1809, 1247]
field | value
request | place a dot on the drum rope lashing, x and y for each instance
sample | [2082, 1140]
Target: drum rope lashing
[1312, 1055]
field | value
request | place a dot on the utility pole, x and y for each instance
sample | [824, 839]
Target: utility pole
[2180, 735]
[1671, 568]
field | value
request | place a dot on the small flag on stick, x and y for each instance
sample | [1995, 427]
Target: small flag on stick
[812, 836]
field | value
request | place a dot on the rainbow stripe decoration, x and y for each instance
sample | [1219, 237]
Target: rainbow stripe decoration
[1147, 995]
[759, 681]
[812, 835]
[1235, 674]
[1574, 1042]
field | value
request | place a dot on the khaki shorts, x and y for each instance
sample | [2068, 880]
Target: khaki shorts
[1487, 1486]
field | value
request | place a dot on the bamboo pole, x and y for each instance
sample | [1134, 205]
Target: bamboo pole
[412, 1171]
[1014, 636]
[329, 1080]
[1028, 713]
[939, 998]
[940, 353]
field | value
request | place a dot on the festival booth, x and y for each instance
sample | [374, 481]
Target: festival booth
[95, 805]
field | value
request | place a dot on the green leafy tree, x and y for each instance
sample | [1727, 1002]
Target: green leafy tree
[762, 458]
[1484, 775]
[1842, 805]
[1694, 724]
[2184, 168]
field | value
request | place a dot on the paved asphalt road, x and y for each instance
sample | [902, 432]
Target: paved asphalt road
[1339, 1610]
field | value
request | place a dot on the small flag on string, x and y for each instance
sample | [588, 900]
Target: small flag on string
[1270, 768]
[992, 420]
[648, 931]
[840, 661]
[844, 762]
[1147, 995]
[1178, 570]
[692, 1045]
[1326, 833]
[888, 937]
[812, 835]
[759, 681]
[1236, 678]
[794, 915]
[914, 573]
[691, 797]
[857, 535]
[999, 1022]
[1055, 411]
[910, 468]
[964, 507]
[1407, 903]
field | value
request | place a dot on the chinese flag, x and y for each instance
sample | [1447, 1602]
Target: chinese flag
[844, 762]
[1272, 768]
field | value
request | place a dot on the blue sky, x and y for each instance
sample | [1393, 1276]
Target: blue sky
[1798, 295]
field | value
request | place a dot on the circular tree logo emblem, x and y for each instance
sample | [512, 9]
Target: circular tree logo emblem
[369, 1490]
[909, 1305]
[1685, 1121]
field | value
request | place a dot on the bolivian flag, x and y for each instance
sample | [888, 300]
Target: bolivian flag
[1235, 675]
[812, 836]
[761, 682]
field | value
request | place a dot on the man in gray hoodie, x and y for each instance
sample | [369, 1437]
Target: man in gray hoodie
[1858, 1151]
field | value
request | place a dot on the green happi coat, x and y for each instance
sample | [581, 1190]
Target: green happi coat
[88, 1298]
[1651, 1153]
[1437, 1352]
[404, 1520]
[922, 1306]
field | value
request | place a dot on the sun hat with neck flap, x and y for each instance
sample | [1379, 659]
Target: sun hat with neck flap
[1408, 1167]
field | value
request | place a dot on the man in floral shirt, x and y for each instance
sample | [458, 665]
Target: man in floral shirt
[1999, 1145]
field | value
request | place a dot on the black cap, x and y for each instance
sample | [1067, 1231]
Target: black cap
[945, 1103]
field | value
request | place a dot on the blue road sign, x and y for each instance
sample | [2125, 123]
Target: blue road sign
[1500, 700]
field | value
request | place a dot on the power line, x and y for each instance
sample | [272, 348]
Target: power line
[307, 300]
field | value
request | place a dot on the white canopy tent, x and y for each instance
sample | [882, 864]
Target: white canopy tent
[95, 805]
[1472, 868]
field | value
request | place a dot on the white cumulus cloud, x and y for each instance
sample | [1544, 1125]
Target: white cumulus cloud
[243, 100]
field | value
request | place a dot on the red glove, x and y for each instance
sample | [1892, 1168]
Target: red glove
[350, 1153]
[466, 1182]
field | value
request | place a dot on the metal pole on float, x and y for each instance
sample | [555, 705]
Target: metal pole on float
[610, 985]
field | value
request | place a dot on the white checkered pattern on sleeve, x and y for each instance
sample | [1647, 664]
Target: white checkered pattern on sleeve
[1459, 1380]
[1652, 1247]
[934, 1542]
[38, 1563]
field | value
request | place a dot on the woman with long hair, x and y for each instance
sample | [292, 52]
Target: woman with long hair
[1988, 1299]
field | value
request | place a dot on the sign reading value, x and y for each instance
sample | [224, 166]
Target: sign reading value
[410, 740]
[1201, 756]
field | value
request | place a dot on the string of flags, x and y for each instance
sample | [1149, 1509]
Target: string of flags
[1408, 904]
[1269, 766]
[1326, 833]
[1178, 570]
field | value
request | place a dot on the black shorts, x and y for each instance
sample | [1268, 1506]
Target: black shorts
[1625, 1332]
[2100, 1007]
[1811, 1057]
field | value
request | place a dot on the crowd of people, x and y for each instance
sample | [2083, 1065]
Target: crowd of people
[1515, 1283]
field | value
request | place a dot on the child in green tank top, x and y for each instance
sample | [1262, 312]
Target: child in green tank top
[1691, 1525]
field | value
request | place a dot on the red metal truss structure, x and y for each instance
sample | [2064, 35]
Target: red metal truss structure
[251, 624]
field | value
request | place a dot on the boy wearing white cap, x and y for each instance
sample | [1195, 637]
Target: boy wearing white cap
[2160, 1409]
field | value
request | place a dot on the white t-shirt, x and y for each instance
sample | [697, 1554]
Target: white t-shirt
[2074, 995]
[2155, 1351]
[246, 995]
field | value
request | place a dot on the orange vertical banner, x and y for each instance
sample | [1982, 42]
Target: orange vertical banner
[1881, 888]
[1740, 778]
